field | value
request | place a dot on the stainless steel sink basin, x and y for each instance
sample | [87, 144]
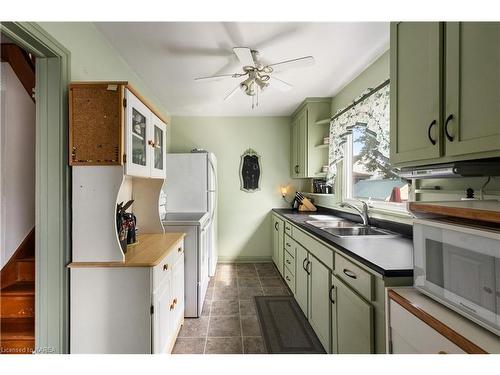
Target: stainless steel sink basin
[332, 224]
[358, 231]
[325, 218]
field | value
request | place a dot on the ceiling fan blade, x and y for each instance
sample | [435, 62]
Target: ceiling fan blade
[293, 63]
[234, 91]
[244, 55]
[218, 77]
[279, 84]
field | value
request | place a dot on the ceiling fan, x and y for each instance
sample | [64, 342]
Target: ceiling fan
[258, 76]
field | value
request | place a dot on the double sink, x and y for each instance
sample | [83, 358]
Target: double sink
[344, 228]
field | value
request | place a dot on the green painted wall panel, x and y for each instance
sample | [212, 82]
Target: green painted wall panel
[244, 220]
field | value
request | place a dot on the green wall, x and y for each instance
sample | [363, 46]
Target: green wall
[372, 76]
[244, 221]
[93, 58]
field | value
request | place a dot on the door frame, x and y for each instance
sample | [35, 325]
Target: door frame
[52, 187]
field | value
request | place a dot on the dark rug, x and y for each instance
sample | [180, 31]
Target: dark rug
[285, 328]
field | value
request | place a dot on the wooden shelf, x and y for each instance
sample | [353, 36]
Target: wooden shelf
[474, 210]
[323, 122]
[149, 250]
[322, 146]
[320, 175]
[320, 194]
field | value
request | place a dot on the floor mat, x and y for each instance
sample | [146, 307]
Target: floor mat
[284, 327]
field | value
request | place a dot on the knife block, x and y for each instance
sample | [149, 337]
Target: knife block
[307, 205]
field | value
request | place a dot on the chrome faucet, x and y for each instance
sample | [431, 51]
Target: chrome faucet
[362, 212]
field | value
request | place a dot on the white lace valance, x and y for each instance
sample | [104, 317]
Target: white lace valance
[371, 109]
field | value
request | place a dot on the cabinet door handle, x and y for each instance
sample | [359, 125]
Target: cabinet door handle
[288, 261]
[442, 352]
[276, 225]
[433, 141]
[179, 250]
[349, 273]
[448, 135]
[287, 278]
[174, 301]
[304, 264]
[330, 295]
[165, 267]
[307, 267]
[287, 244]
[172, 307]
[296, 169]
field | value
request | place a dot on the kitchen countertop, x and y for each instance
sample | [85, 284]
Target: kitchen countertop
[185, 218]
[148, 252]
[390, 257]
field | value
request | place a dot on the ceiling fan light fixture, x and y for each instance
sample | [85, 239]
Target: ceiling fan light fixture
[261, 83]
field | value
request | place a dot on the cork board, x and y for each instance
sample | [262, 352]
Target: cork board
[96, 124]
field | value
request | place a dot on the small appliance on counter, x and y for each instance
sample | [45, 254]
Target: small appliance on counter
[457, 257]
[126, 225]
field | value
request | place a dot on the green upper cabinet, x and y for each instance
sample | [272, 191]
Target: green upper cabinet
[416, 54]
[472, 107]
[445, 90]
[310, 124]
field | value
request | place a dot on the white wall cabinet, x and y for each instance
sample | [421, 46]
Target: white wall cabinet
[145, 140]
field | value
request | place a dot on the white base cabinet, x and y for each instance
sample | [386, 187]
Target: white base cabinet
[127, 310]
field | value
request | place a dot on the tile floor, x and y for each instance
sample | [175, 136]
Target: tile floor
[229, 324]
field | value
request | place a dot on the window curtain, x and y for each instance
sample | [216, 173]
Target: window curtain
[371, 109]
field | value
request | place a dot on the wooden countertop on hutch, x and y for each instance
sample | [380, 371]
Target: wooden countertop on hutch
[148, 252]
[487, 210]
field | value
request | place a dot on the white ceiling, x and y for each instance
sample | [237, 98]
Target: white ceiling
[169, 55]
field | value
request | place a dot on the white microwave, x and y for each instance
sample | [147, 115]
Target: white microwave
[459, 266]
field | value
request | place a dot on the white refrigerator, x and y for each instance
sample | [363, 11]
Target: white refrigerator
[191, 186]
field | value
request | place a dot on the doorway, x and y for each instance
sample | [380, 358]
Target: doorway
[17, 189]
[52, 184]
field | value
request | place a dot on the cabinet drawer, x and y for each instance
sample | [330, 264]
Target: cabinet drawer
[316, 248]
[288, 228]
[354, 276]
[161, 270]
[290, 260]
[411, 335]
[289, 244]
[290, 280]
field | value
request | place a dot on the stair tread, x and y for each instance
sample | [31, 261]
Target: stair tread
[20, 288]
[17, 329]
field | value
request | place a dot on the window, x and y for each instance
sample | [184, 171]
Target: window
[359, 138]
[367, 169]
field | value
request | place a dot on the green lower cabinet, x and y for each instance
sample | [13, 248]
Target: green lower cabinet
[319, 303]
[301, 279]
[353, 317]
[278, 234]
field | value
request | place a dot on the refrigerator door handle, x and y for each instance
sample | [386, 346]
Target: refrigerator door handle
[212, 167]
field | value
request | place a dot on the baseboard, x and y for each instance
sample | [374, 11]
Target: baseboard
[244, 259]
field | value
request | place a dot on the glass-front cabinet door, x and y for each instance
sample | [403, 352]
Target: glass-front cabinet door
[157, 141]
[137, 125]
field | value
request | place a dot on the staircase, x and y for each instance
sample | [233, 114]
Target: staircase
[17, 300]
